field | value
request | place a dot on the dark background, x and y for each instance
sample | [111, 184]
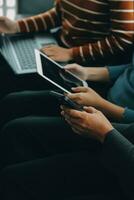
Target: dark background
[34, 6]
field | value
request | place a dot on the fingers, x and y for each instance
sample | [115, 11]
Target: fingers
[90, 110]
[75, 116]
[74, 123]
[80, 89]
[53, 57]
[50, 46]
[71, 67]
[74, 97]
[71, 120]
[77, 130]
[77, 97]
[71, 113]
[78, 126]
[52, 51]
[48, 53]
[49, 50]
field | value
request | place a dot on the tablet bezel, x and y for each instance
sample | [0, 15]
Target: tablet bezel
[38, 55]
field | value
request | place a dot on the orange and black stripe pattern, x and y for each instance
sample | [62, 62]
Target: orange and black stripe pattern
[94, 29]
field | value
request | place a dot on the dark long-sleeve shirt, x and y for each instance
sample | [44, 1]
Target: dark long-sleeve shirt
[118, 157]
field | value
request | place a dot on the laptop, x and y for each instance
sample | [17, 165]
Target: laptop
[55, 73]
[18, 50]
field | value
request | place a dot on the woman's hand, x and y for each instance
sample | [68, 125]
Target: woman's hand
[81, 72]
[89, 73]
[57, 53]
[86, 97]
[8, 26]
[90, 123]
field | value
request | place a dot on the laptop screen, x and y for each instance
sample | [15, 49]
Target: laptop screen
[57, 73]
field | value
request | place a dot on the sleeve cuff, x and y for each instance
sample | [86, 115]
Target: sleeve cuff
[77, 55]
[128, 116]
[22, 26]
[115, 71]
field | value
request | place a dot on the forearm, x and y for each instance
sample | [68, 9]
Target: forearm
[97, 74]
[41, 22]
[111, 110]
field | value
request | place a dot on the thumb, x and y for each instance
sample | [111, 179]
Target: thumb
[70, 67]
[90, 109]
[72, 96]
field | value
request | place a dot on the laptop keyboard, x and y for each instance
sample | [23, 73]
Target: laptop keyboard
[25, 53]
[19, 50]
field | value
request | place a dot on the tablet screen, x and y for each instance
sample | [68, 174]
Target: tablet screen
[57, 73]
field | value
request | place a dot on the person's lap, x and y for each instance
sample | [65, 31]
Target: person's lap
[30, 103]
[31, 138]
[32, 100]
[58, 177]
[42, 147]
[36, 137]
[25, 103]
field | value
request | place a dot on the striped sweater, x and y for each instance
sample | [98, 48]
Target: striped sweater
[95, 29]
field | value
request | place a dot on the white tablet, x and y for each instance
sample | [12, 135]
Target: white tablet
[56, 74]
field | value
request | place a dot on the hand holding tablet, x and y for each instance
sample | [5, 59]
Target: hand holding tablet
[56, 74]
[64, 100]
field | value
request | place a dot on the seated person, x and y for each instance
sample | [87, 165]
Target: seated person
[49, 159]
[119, 102]
[90, 32]
[86, 36]
[118, 105]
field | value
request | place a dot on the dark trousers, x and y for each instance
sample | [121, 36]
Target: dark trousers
[42, 158]
[29, 103]
[28, 95]
[25, 103]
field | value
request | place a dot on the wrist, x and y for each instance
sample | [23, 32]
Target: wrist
[111, 110]
[70, 53]
[98, 74]
[91, 74]
[17, 27]
[100, 103]
[85, 73]
[105, 131]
